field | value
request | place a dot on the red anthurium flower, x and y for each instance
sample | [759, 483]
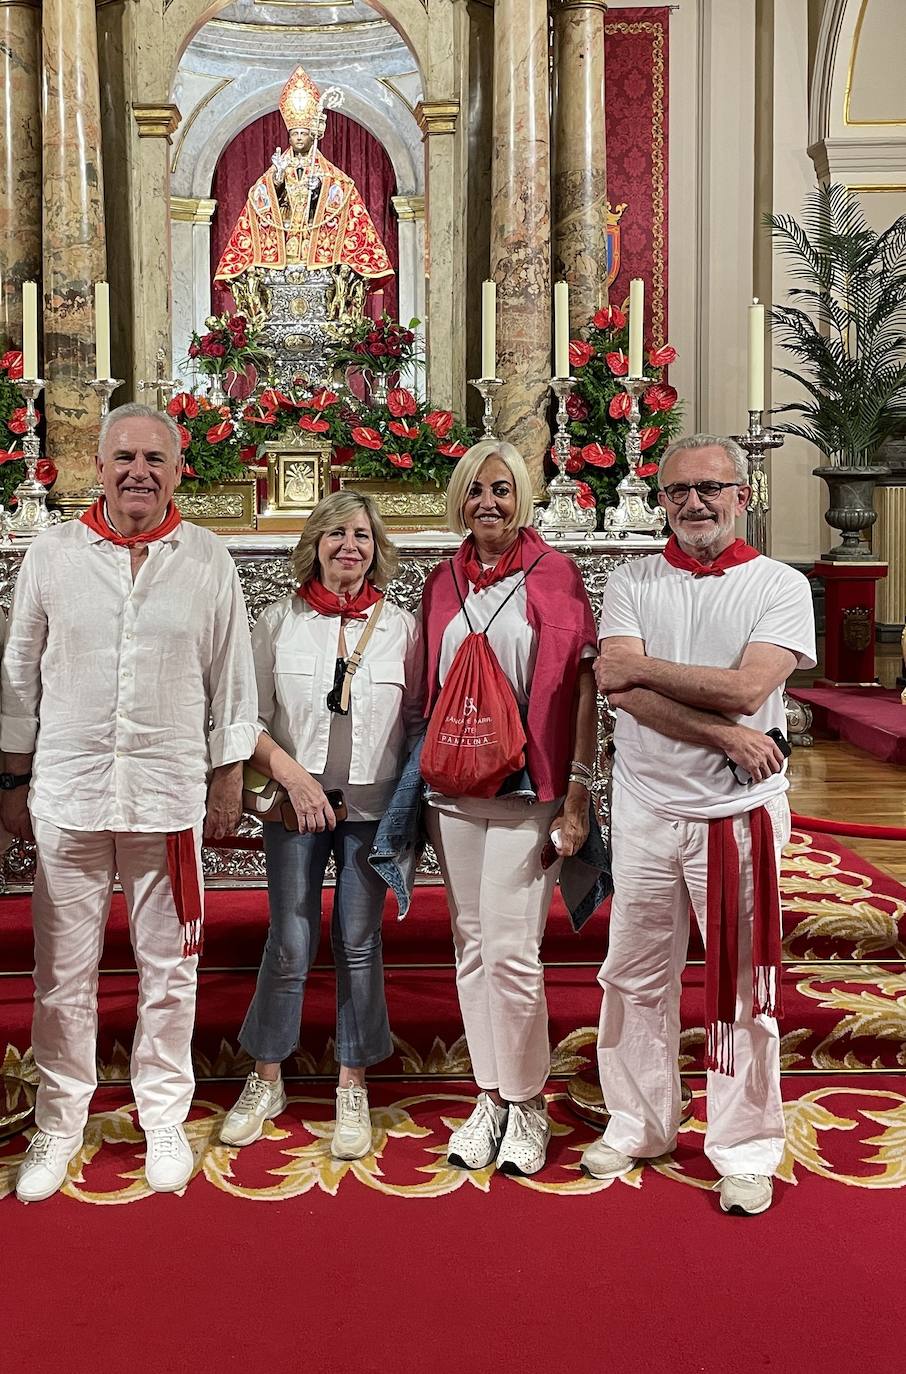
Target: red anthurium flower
[659, 396]
[585, 496]
[609, 318]
[580, 353]
[363, 437]
[576, 408]
[343, 455]
[662, 357]
[46, 471]
[649, 436]
[313, 426]
[400, 460]
[401, 402]
[11, 364]
[574, 462]
[188, 470]
[323, 398]
[16, 421]
[185, 438]
[440, 421]
[620, 406]
[599, 456]
[217, 433]
[248, 454]
[646, 470]
[452, 450]
[10, 455]
[272, 399]
[617, 362]
[403, 430]
[256, 416]
[183, 402]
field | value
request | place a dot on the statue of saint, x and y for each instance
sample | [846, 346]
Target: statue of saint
[304, 211]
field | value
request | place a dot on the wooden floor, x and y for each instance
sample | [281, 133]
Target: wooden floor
[833, 780]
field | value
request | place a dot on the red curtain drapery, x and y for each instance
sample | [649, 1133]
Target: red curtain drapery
[346, 144]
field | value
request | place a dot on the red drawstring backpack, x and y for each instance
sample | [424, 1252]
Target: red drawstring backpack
[475, 738]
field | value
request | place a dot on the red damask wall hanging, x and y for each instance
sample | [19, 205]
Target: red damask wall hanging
[636, 94]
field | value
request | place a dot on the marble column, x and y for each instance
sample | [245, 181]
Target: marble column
[580, 167]
[410, 277]
[444, 256]
[521, 226]
[75, 254]
[153, 126]
[20, 161]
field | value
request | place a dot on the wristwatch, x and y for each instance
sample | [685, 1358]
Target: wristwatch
[8, 781]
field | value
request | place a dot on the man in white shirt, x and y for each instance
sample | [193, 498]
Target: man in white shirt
[128, 636]
[696, 645]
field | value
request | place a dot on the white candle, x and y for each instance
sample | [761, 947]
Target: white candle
[756, 357]
[561, 329]
[488, 329]
[636, 325]
[102, 331]
[29, 330]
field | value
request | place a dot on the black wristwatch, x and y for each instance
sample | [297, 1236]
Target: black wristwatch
[8, 781]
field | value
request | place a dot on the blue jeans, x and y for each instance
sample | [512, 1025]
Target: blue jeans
[295, 877]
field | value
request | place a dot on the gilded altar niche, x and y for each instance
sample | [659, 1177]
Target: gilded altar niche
[304, 250]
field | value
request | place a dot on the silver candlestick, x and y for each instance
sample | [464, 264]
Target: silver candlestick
[32, 514]
[633, 514]
[486, 388]
[563, 514]
[104, 389]
[164, 386]
[757, 441]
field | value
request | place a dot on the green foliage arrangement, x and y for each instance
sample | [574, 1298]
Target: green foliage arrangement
[846, 328]
[211, 440]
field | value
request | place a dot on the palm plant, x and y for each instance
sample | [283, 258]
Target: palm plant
[846, 328]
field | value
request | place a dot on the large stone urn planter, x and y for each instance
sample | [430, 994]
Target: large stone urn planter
[851, 508]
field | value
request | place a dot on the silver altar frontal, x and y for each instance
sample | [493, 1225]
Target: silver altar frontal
[264, 571]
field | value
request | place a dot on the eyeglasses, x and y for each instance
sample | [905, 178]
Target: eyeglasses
[678, 492]
[335, 695]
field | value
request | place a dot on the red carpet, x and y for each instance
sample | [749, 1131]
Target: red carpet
[871, 718]
[491, 1274]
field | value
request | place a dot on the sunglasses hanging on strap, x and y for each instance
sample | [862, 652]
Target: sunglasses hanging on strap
[339, 694]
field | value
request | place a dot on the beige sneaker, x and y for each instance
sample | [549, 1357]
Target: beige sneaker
[259, 1101]
[46, 1165]
[600, 1160]
[745, 1195]
[168, 1159]
[352, 1133]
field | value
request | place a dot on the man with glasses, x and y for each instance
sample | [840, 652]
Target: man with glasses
[695, 648]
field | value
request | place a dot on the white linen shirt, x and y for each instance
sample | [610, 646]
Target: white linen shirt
[295, 651]
[112, 682]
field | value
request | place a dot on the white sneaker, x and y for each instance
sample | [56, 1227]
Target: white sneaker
[259, 1101]
[168, 1159]
[46, 1163]
[524, 1146]
[745, 1195]
[601, 1160]
[352, 1132]
[476, 1142]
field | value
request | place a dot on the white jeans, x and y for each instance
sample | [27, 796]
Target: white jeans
[659, 867]
[71, 903]
[499, 896]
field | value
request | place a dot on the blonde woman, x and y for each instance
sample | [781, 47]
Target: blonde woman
[500, 856]
[325, 728]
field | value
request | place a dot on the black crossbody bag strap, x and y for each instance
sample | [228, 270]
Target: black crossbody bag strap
[511, 592]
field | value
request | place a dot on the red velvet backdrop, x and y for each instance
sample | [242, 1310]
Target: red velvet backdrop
[635, 77]
[346, 144]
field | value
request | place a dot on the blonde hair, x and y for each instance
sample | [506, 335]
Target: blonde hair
[468, 468]
[335, 510]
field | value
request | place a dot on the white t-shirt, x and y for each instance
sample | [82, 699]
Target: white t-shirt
[510, 636]
[707, 622]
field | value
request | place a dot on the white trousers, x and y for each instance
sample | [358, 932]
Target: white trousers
[499, 897]
[659, 867]
[71, 903]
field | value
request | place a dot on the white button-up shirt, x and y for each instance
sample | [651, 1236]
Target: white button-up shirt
[295, 652]
[112, 683]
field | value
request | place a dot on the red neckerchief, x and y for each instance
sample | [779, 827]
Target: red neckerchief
[722, 934]
[738, 552]
[329, 603]
[480, 577]
[95, 517]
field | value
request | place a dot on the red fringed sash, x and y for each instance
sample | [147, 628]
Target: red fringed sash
[722, 934]
[182, 866]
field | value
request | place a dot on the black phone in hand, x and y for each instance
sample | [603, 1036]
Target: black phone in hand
[783, 744]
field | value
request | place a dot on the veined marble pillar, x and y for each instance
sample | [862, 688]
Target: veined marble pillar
[190, 232]
[20, 161]
[521, 225]
[444, 255]
[580, 159]
[152, 131]
[75, 255]
[410, 282]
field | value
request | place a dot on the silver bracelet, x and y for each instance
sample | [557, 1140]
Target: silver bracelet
[583, 782]
[581, 768]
